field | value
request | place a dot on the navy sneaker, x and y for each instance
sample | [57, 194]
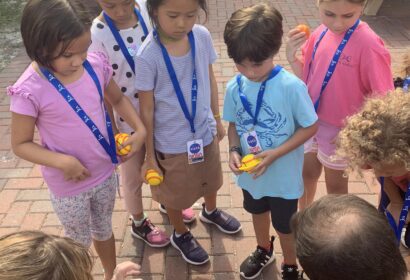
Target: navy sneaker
[225, 222]
[191, 250]
[290, 272]
[253, 265]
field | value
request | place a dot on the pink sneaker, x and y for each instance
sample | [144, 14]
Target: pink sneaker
[187, 214]
[150, 234]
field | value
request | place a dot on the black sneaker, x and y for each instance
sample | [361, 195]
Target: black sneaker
[225, 222]
[191, 250]
[290, 272]
[253, 265]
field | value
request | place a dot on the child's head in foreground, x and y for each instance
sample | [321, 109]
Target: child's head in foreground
[34, 255]
[379, 135]
[253, 36]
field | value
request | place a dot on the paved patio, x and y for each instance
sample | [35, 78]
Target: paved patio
[24, 198]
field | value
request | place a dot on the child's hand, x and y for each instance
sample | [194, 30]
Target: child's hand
[267, 157]
[235, 162]
[136, 141]
[74, 170]
[220, 129]
[149, 164]
[294, 41]
[125, 269]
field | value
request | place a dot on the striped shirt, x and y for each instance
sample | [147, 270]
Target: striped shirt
[171, 128]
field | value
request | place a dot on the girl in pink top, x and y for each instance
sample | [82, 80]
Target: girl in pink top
[62, 93]
[342, 62]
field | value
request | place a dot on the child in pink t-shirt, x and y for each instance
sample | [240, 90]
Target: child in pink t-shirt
[342, 62]
[62, 93]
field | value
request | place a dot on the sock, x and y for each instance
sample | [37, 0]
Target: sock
[209, 212]
[179, 234]
[138, 223]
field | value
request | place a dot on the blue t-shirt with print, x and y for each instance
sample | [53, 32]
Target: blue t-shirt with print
[286, 106]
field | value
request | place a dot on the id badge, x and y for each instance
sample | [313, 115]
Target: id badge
[252, 142]
[195, 149]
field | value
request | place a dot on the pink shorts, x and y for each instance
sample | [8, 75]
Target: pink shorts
[323, 144]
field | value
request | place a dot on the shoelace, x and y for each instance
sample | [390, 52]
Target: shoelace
[258, 255]
[154, 229]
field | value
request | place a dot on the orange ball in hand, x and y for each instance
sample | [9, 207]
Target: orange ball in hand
[304, 28]
[119, 139]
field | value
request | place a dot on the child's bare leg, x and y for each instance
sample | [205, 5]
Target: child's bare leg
[210, 201]
[312, 168]
[175, 218]
[336, 181]
[106, 252]
[261, 225]
[287, 242]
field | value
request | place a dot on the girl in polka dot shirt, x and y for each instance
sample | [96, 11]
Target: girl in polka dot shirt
[119, 32]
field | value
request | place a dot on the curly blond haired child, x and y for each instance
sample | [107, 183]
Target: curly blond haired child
[378, 137]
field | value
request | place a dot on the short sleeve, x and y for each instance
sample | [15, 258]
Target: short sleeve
[229, 113]
[145, 73]
[22, 102]
[106, 67]
[97, 45]
[301, 104]
[212, 52]
[375, 70]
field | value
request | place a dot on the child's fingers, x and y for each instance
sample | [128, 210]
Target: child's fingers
[260, 170]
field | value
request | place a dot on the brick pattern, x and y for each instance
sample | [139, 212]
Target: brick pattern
[24, 199]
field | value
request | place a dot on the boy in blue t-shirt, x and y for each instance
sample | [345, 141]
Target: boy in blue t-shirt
[270, 115]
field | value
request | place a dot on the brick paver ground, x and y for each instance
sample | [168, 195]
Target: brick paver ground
[24, 198]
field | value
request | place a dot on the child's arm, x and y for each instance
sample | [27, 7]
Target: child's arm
[22, 133]
[146, 99]
[110, 112]
[300, 136]
[215, 105]
[295, 40]
[121, 104]
[234, 156]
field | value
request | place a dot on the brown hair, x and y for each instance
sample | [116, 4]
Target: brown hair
[379, 133]
[34, 255]
[342, 237]
[152, 6]
[45, 24]
[254, 33]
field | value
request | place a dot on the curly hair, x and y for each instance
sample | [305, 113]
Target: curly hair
[379, 133]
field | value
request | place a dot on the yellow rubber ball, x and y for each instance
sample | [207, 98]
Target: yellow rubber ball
[119, 139]
[153, 177]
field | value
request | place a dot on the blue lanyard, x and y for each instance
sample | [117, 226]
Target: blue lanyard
[261, 92]
[110, 149]
[406, 84]
[119, 40]
[335, 59]
[175, 83]
[403, 214]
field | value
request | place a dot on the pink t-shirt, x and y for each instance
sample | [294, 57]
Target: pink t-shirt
[61, 129]
[363, 69]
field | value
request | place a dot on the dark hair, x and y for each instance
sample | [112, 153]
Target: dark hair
[254, 33]
[152, 6]
[343, 237]
[47, 23]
